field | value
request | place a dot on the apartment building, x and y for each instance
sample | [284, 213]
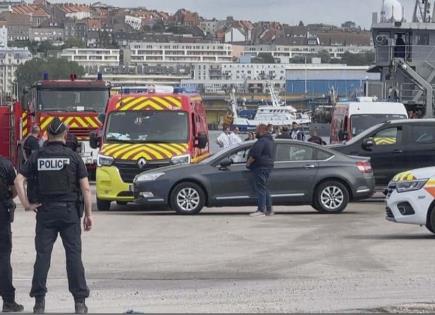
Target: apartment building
[283, 54]
[10, 59]
[182, 53]
[91, 57]
[237, 71]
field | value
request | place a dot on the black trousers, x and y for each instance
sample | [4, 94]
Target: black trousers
[7, 290]
[53, 219]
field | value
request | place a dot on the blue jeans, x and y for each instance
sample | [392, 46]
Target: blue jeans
[261, 181]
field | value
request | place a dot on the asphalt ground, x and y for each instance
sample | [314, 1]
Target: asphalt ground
[222, 260]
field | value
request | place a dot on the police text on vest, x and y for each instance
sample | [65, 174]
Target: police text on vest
[56, 164]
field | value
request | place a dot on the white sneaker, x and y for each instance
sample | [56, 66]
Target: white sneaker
[257, 214]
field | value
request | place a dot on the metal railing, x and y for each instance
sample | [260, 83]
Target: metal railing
[413, 54]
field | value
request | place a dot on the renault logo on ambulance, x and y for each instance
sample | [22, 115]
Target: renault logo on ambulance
[142, 163]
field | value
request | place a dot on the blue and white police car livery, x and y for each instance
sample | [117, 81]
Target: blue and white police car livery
[410, 198]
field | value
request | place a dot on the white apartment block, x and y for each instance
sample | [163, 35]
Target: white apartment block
[87, 57]
[10, 59]
[240, 72]
[283, 54]
[181, 53]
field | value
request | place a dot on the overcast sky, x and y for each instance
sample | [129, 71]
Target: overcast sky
[286, 11]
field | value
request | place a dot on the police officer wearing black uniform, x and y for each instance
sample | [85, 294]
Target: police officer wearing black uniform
[57, 186]
[7, 208]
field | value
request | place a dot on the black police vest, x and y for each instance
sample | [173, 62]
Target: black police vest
[56, 178]
[5, 193]
[4, 189]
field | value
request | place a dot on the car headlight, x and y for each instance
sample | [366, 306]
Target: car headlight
[104, 160]
[412, 185]
[181, 159]
[147, 177]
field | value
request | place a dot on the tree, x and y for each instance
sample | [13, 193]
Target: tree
[57, 68]
[264, 58]
[300, 59]
[324, 56]
[361, 59]
[74, 42]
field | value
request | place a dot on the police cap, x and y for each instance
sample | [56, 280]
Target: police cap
[56, 127]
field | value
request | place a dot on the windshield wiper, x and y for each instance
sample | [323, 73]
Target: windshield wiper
[121, 140]
[161, 141]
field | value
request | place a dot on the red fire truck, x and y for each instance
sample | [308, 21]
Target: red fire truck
[78, 103]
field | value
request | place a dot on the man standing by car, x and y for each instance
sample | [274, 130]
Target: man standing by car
[260, 162]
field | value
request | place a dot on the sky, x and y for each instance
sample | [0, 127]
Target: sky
[286, 11]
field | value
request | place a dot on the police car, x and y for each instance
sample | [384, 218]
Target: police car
[410, 198]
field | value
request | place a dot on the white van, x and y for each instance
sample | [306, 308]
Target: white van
[351, 118]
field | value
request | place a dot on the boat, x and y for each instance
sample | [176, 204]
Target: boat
[277, 114]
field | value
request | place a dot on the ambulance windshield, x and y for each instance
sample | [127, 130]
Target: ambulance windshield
[362, 122]
[73, 100]
[147, 126]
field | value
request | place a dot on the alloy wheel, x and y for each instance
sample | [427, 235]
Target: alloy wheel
[188, 199]
[332, 197]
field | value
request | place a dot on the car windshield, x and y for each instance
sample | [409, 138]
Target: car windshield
[362, 122]
[147, 126]
[73, 100]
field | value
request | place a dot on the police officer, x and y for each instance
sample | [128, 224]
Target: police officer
[7, 208]
[57, 180]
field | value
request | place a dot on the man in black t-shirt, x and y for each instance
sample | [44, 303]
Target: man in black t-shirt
[31, 143]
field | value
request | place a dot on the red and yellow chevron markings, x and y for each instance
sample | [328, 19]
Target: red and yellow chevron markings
[149, 103]
[73, 122]
[149, 151]
[24, 124]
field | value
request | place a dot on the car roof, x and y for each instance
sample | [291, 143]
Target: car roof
[411, 121]
[290, 141]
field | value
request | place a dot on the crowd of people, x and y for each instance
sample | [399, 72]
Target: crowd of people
[231, 137]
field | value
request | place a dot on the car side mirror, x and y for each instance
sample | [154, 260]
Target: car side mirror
[202, 140]
[225, 163]
[368, 144]
[102, 118]
[94, 140]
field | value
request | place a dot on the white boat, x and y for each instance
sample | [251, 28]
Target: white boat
[278, 114]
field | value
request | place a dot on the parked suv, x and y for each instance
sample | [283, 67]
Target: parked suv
[394, 147]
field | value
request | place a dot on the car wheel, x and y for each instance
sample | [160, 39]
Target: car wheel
[187, 198]
[430, 225]
[331, 197]
[103, 205]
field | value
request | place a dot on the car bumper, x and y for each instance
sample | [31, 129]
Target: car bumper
[111, 187]
[408, 207]
[152, 193]
[364, 189]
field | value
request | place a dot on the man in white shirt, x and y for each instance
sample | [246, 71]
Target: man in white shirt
[228, 138]
[235, 138]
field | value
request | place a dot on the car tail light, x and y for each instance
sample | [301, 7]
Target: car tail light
[364, 167]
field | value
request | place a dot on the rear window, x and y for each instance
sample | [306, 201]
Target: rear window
[323, 155]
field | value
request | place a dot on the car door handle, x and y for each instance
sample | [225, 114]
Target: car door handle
[310, 166]
[398, 151]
